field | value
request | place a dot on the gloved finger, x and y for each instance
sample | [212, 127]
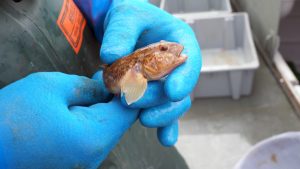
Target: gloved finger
[185, 77]
[153, 96]
[181, 81]
[165, 114]
[122, 30]
[168, 135]
[98, 76]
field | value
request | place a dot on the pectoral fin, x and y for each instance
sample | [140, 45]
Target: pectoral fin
[133, 86]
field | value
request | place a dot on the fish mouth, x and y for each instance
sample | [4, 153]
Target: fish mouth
[180, 55]
[182, 58]
[175, 48]
[180, 50]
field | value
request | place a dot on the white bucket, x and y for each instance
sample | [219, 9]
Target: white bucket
[278, 152]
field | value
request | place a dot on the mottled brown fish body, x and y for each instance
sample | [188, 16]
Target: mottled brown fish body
[114, 73]
[149, 63]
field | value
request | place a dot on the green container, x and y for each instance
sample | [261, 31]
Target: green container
[31, 41]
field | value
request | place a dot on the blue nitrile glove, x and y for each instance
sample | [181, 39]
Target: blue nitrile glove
[55, 120]
[131, 24]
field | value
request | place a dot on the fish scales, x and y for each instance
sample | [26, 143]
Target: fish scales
[129, 75]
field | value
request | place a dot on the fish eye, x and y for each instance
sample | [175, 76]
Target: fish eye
[163, 48]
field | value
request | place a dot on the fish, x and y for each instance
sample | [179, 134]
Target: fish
[129, 75]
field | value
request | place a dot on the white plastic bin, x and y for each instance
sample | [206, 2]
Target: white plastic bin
[155, 2]
[194, 6]
[229, 55]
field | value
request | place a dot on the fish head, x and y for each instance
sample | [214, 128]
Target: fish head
[163, 58]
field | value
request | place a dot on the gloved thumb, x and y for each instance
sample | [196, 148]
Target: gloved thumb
[122, 30]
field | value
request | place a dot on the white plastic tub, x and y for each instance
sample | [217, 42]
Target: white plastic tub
[278, 152]
[229, 55]
[194, 6]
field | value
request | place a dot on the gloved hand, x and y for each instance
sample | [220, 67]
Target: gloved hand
[55, 120]
[131, 24]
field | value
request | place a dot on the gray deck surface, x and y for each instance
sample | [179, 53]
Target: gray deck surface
[216, 132]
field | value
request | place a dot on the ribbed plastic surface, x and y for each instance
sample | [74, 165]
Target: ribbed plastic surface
[229, 55]
[192, 6]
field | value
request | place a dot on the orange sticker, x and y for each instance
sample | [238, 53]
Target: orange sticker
[72, 23]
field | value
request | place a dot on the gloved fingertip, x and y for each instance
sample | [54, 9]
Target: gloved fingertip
[168, 135]
[117, 43]
[188, 103]
[176, 88]
[121, 34]
[98, 75]
[165, 114]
